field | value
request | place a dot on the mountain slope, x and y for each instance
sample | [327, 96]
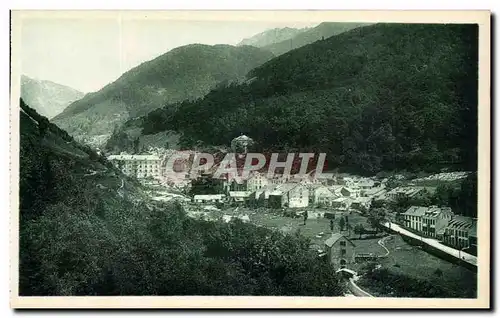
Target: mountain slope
[87, 230]
[272, 36]
[184, 73]
[323, 30]
[46, 97]
[380, 97]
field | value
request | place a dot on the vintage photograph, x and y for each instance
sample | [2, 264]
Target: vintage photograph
[178, 154]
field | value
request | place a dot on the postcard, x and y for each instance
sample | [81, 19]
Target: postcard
[250, 159]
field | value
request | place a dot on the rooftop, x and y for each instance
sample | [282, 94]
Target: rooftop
[208, 196]
[416, 211]
[133, 157]
[334, 238]
[461, 222]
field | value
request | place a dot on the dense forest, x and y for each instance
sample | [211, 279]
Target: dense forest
[86, 229]
[379, 97]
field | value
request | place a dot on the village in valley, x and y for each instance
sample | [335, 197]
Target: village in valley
[356, 223]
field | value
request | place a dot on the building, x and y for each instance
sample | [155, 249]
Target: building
[320, 195]
[139, 166]
[256, 181]
[366, 184]
[459, 230]
[239, 196]
[342, 203]
[435, 220]
[291, 195]
[412, 218]
[209, 198]
[340, 250]
[260, 197]
[473, 239]
[240, 144]
[361, 203]
[374, 192]
[404, 192]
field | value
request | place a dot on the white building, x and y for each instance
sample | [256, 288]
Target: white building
[209, 198]
[139, 166]
[320, 195]
[256, 181]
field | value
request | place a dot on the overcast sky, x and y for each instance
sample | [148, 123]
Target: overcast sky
[88, 54]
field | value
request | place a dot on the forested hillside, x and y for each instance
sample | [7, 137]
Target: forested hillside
[379, 97]
[86, 229]
[184, 73]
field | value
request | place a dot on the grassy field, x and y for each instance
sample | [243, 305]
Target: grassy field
[314, 227]
[412, 261]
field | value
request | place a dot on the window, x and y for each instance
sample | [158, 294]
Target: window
[342, 243]
[343, 251]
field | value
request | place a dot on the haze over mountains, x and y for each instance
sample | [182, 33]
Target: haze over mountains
[272, 36]
[185, 73]
[309, 35]
[379, 97]
[46, 97]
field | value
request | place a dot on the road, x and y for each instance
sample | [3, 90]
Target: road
[471, 259]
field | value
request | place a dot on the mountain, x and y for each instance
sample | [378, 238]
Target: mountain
[379, 97]
[46, 97]
[310, 35]
[272, 36]
[85, 229]
[184, 73]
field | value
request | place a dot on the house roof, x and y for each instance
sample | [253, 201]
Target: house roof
[242, 138]
[239, 194]
[434, 211]
[133, 157]
[334, 238]
[285, 187]
[208, 196]
[461, 222]
[374, 191]
[323, 191]
[362, 199]
[416, 211]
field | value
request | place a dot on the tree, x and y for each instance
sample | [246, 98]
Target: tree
[341, 223]
[375, 217]
[359, 229]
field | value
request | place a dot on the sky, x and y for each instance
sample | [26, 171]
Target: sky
[86, 54]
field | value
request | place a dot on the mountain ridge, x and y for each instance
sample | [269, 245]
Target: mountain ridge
[361, 96]
[47, 97]
[271, 36]
[187, 72]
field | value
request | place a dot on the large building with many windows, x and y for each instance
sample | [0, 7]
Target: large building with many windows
[459, 231]
[139, 166]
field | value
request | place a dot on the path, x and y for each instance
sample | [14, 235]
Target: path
[471, 259]
[381, 242]
[352, 286]
[356, 290]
